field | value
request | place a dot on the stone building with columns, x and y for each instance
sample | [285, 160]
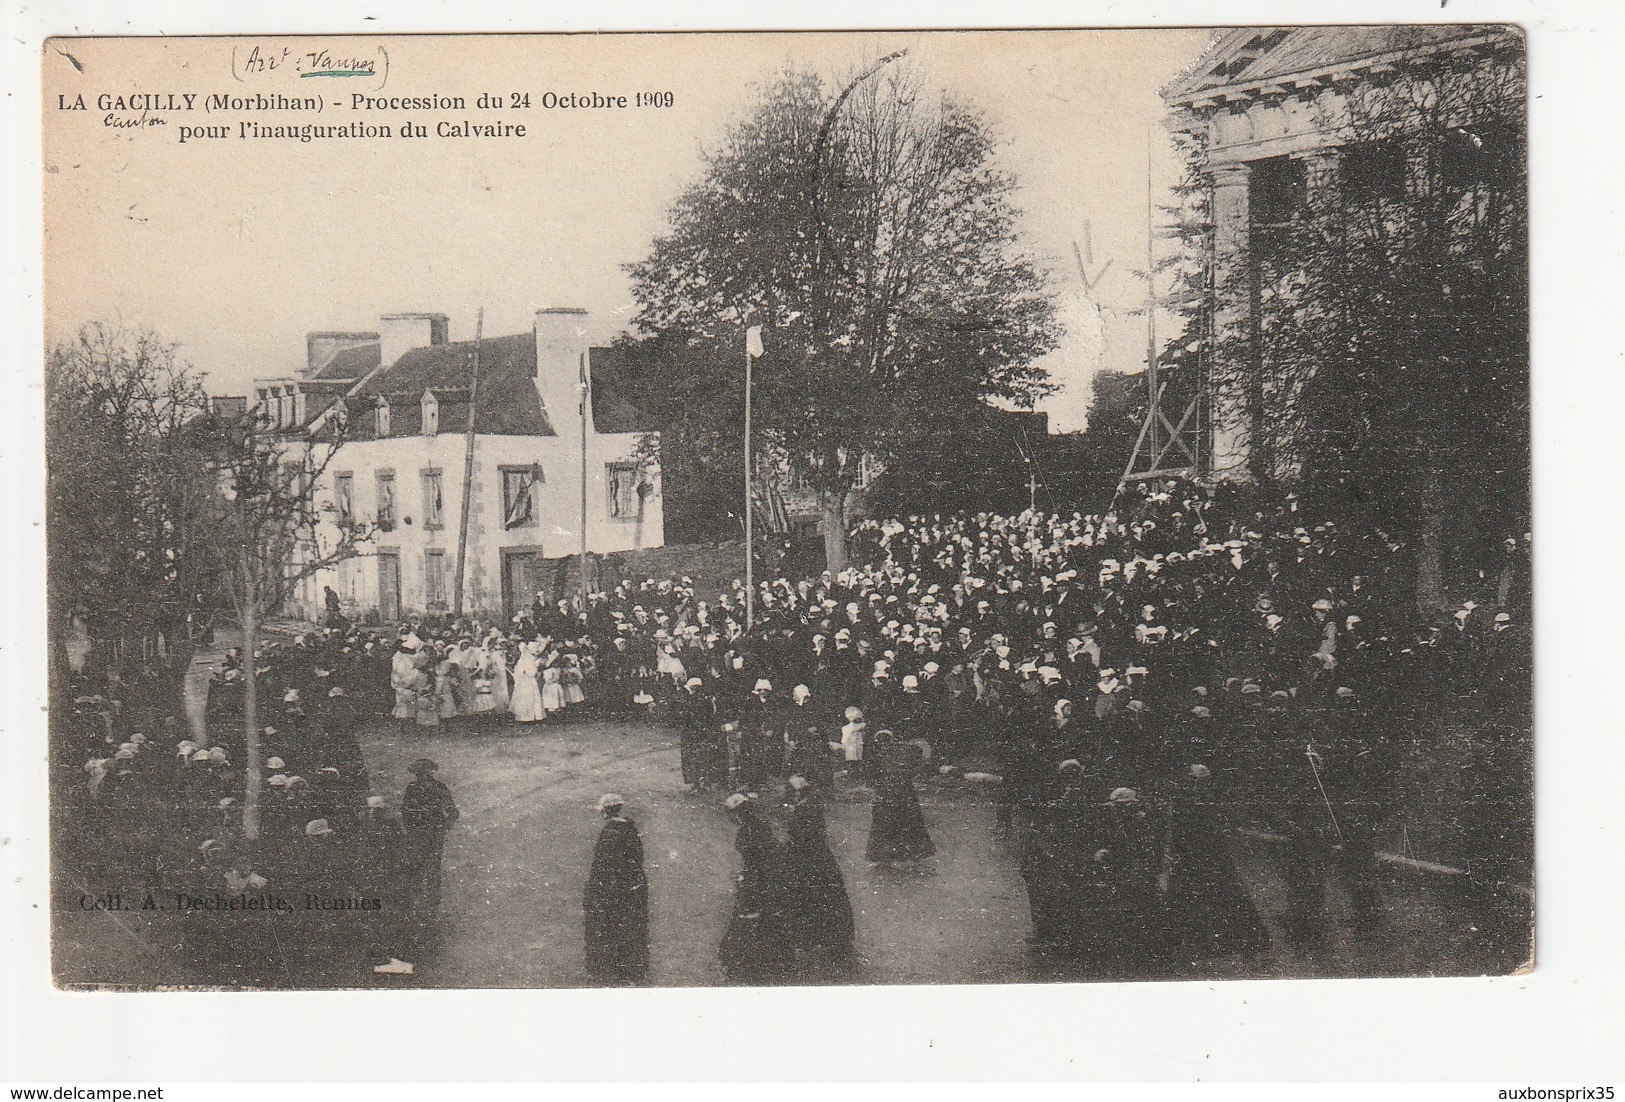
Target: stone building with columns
[404, 391]
[1268, 108]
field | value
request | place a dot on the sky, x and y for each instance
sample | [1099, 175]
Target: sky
[235, 249]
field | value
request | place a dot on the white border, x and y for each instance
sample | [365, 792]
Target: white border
[1560, 1024]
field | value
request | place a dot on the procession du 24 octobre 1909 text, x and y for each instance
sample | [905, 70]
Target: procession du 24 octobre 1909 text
[197, 117]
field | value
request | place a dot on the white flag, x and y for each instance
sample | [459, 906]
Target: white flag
[753, 342]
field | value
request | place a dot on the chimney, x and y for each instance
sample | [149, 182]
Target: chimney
[561, 342]
[398, 334]
[322, 346]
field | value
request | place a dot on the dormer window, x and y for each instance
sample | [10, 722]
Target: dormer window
[431, 413]
[381, 419]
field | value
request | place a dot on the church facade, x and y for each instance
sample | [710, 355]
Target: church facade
[1269, 110]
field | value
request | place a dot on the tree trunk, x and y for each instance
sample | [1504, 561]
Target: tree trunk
[248, 618]
[1430, 539]
[832, 511]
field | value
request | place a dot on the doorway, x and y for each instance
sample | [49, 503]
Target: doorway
[521, 578]
[389, 586]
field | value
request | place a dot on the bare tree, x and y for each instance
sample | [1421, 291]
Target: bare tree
[118, 404]
[259, 495]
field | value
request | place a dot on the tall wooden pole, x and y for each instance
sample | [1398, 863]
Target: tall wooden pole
[585, 387]
[468, 473]
[750, 533]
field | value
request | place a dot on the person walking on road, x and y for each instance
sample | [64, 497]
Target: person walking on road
[616, 901]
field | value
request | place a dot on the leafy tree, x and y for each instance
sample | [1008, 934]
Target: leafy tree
[872, 234]
[1387, 370]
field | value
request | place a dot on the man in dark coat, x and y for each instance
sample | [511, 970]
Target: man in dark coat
[616, 901]
[427, 812]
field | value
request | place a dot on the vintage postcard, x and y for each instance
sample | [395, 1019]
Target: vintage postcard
[547, 511]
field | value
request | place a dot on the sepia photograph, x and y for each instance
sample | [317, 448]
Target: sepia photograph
[788, 509]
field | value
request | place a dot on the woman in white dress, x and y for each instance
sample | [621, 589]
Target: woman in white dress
[552, 687]
[479, 662]
[401, 669]
[526, 705]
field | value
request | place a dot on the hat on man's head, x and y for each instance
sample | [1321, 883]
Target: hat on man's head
[424, 765]
[611, 800]
[736, 801]
[316, 828]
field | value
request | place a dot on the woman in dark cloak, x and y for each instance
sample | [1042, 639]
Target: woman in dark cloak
[617, 902]
[818, 912]
[897, 832]
[754, 948]
[696, 717]
[1053, 855]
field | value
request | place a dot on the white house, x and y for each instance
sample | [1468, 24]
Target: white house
[405, 392]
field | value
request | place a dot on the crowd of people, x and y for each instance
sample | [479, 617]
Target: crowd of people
[329, 869]
[1127, 687]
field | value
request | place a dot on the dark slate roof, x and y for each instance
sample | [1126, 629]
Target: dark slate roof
[317, 404]
[349, 363]
[1249, 57]
[508, 404]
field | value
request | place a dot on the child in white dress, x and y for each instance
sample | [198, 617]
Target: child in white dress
[552, 690]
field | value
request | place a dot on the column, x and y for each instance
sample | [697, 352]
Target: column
[1231, 368]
